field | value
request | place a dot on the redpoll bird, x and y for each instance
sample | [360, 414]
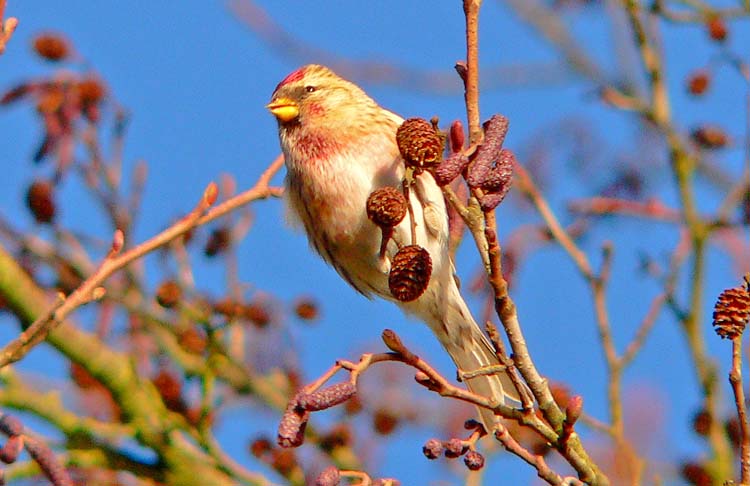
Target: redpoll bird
[339, 146]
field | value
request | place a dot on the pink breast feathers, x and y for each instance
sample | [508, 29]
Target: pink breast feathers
[292, 77]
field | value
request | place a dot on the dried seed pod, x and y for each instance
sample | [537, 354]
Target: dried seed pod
[410, 273]
[260, 446]
[91, 91]
[695, 473]
[384, 421]
[732, 312]
[710, 137]
[284, 461]
[717, 28]
[420, 145]
[474, 460]
[228, 307]
[257, 312]
[702, 422]
[168, 294]
[327, 397]
[734, 432]
[698, 82]
[307, 309]
[455, 448]
[193, 340]
[170, 389]
[40, 201]
[52, 47]
[432, 449]
[218, 242]
[386, 207]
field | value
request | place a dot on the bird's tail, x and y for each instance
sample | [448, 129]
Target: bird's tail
[471, 351]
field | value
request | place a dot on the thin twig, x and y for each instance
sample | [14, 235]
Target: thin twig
[735, 379]
[88, 290]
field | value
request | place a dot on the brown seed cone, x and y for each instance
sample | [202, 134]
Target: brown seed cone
[702, 422]
[168, 294]
[52, 47]
[698, 82]
[717, 28]
[731, 312]
[386, 207]
[40, 201]
[474, 460]
[710, 137]
[432, 449]
[420, 145]
[90, 91]
[306, 309]
[218, 242]
[260, 447]
[384, 421]
[410, 273]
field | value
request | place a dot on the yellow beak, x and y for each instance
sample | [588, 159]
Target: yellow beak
[284, 109]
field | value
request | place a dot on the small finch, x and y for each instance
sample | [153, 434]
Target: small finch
[339, 146]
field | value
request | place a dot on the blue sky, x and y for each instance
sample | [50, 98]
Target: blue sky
[195, 80]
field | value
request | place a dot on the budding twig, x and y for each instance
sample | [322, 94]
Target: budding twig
[90, 289]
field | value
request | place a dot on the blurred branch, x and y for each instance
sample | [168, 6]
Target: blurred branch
[549, 24]
[604, 206]
[698, 13]
[38, 330]
[389, 73]
[89, 289]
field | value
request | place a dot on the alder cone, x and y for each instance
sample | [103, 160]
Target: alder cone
[386, 207]
[410, 273]
[52, 47]
[419, 144]
[732, 312]
[40, 201]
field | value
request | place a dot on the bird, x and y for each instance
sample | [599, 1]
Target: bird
[339, 146]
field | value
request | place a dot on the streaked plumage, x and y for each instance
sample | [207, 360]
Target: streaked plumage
[339, 146]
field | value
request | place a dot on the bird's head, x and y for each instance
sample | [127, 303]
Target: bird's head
[313, 95]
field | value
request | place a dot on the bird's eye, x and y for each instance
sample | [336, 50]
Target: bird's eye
[310, 89]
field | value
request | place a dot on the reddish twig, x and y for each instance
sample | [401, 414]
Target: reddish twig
[735, 379]
[90, 289]
[537, 462]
